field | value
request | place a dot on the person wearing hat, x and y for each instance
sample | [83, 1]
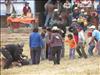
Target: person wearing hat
[76, 13]
[55, 18]
[12, 53]
[56, 44]
[73, 25]
[96, 37]
[82, 12]
[26, 9]
[67, 6]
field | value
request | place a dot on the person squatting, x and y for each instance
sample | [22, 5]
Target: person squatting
[13, 53]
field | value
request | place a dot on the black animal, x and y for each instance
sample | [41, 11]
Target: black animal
[12, 53]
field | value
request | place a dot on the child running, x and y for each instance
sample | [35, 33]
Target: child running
[71, 42]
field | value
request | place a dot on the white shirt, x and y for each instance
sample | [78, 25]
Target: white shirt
[81, 36]
[87, 3]
[66, 5]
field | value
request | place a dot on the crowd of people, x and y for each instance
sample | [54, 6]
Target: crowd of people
[66, 25]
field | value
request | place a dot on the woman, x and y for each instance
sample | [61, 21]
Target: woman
[35, 43]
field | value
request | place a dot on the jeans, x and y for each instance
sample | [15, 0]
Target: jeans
[90, 50]
[62, 51]
[35, 55]
[56, 54]
[80, 50]
[43, 54]
[72, 53]
[48, 17]
[98, 47]
[49, 53]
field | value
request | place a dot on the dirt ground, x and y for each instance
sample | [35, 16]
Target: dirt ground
[89, 66]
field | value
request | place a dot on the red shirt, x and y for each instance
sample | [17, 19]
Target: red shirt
[26, 9]
[77, 0]
[76, 38]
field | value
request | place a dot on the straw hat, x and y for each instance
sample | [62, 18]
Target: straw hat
[55, 10]
[85, 13]
[82, 10]
[92, 27]
[75, 8]
[74, 20]
[55, 28]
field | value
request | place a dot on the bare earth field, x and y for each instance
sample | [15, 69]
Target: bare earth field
[89, 66]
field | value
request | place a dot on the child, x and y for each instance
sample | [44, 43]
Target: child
[91, 45]
[72, 46]
[43, 51]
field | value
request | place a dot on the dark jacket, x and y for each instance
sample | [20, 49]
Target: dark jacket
[14, 50]
[56, 40]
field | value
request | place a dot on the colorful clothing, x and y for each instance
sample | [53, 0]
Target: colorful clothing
[26, 9]
[76, 38]
[96, 34]
[72, 46]
[71, 43]
[56, 40]
[35, 40]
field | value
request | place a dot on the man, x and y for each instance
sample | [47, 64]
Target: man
[67, 5]
[49, 8]
[95, 36]
[76, 13]
[98, 8]
[12, 53]
[98, 11]
[8, 7]
[81, 43]
[26, 8]
[56, 44]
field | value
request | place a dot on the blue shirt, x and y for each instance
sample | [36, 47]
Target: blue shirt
[98, 9]
[35, 40]
[96, 34]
